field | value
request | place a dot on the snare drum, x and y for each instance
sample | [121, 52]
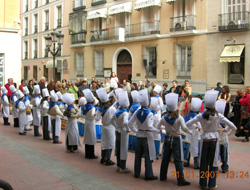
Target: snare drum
[63, 123]
[80, 124]
[132, 142]
[183, 135]
[157, 147]
[98, 132]
[186, 146]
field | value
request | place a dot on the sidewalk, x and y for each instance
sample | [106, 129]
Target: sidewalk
[30, 163]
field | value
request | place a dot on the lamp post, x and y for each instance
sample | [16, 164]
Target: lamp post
[55, 38]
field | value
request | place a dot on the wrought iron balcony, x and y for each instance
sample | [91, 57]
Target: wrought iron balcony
[35, 28]
[46, 52]
[79, 5]
[140, 29]
[182, 23]
[78, 38]
[26, 31]
[35, 54]
[97, 2]
[234, 21]
[46, 26]
[59, 23]
[36, 4]
[25, 55]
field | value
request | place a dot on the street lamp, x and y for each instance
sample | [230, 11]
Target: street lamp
[54, 37]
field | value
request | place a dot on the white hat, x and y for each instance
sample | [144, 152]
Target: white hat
[67, 99]
[210, 98]
[171, 100]
[154, 103]
[123, 99]
[196, 104]
[117, 91]
[220, 106]
[157, 88]
[82, 101]
[135, 95]
[26, 90]
[4, 90]
[53, 96]
[72, 96]
[12, 88]
[45, 92]
[102, 94]
[96, 101]
[59, 95]
[88, 95]
[143, 97]
[19, 94]
[36, 89]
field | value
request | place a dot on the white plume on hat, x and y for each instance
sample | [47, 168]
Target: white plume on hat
[171, 100]
[36, 89]
[26, 90]
[154, 103]
[88, 95]
[53, 96]
[45, 92]
[157, 88]
[210, 98]
[82, 101]
[59, 95]
[4, 90]
[143, 97]
[220, 106]
[123, 99]
[12, 88]
[102, 94]
[196, 104]
[19, 94]
[135, 95]
[67, 99]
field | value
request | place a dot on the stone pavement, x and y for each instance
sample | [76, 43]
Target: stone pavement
[30, 163]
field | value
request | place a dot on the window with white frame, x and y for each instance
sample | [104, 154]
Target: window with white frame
[35, 48]
[45, 52]
[150, 19]
[122, 20]
[79, 3]
[25, 50]
[34, 4]
[58, 16]
[183, 60]
[99, 24]
[46, 20]
[25, 5]
[99, 63]
[150, 58]
[35, 23]
[35, 72]
[79, 60]
[45, 2]
[26, 26]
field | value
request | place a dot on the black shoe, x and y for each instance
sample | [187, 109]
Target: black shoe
[184, 183]
[136, 176]
[93, 157]
[151, 178]
[224, 171]
[23, 133]
[196, 167]
[6, 124]
[245, 140]
[103, 160]
[186, 164]
[38, 135]
[27, 129]
[163, 179]
[109, 163]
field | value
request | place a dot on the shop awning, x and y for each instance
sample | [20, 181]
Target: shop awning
[49, 63]
[231, 53]
[139, 4]
[169, 1]
[124, 7]
[100, 13]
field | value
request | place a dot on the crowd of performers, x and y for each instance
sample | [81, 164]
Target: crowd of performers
[206, 132]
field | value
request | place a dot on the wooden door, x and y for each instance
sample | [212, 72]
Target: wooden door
[124, 71]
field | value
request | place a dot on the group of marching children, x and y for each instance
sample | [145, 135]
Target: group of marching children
[143, 118]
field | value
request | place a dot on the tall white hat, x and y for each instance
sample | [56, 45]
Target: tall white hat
[72, 96]
[123, 99]
[135, 95]
[96, 101]
[220, 106]
[67, 99]
[59, 95]
[4, 90]
[12, 88]
[117, 91]
[53, 96]
[19, 94]
[88, 95]
[45, 92]
[144, 97]
[157, 88]
[171, 100]
[26, 90]
[196, 104]
[210, 98]
[82, 101]
[36, 89]
[154, 103]
[102, 94]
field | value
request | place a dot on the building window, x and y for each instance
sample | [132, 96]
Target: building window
[35, 48]
[25, 49]
[26, 27]
[79, 4]
[35, 72]
[26, 8]
[25, 74]
[79, 59]
[35, 4]
[99, 63]
[59, 16]
[150, 61]
[45, 72]
[46, 24]
[183, 60]
[46, 1]
[97, 2]
[1, 69]
[35, 23]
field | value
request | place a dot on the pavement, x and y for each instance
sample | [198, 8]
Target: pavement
[31, 163]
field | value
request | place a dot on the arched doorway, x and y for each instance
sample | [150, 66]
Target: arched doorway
[124, 66]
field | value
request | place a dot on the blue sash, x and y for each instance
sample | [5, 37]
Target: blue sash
[101, 109]
[52, 104]
[157, 96]
[17, 102]
[36, 96]
[190, 116]
[3, 96]
[26, 98]
[86, 108]
[170, 121]
[154, 112]
[134, 107]
[120, 111]
[61, 103]
[142, 114]
[223, 125]
[70, 107]
[12, 96]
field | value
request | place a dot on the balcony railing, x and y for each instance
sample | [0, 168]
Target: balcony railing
[26, 55]
[59, 23]
[182, 23]
[140, 29]
[234, 21]
[47, 1]
[35, 54]
[46, 26]
[46, 52]
[35, 28]
[26, 31]
[97, 2]
[26, 8]
[78, 38]
[78, 5]
[36, 4]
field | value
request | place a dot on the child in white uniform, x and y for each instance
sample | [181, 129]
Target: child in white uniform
[22, 112]
[5, 106]
[14, 111]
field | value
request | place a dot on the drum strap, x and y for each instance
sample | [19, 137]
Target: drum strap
[145, 130]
